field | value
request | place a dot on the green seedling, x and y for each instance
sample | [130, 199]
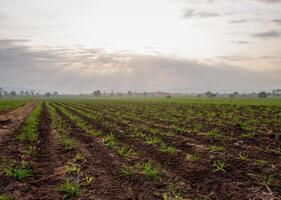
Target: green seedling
[72, 168]
[153, 140]
[18, 173]
[70, 189]
[79, 158]
[268, 180]
[150, 171]
[214, 133]
[261, 162]
[167, 149]
[248, 135]
[126, 152]
[126, 171]
[219, 166]
[110, 140]
[216, 148]
[29, 150]
[67, 142]
[88, 180]
[94, 133]
[243, 156]
[192, 157]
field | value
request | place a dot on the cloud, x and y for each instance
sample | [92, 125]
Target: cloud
[269, 1]
[241, 42]
[238, 21]
[192, 13]
[276, 21]
[267, 34]
[87, 69]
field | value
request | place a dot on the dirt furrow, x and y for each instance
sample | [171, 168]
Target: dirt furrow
[49, 161]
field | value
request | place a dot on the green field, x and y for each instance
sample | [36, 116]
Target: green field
[6, 105]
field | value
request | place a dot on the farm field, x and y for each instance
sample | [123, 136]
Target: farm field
[142, 149]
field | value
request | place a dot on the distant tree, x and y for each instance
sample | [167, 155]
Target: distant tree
[276, 92]
[144, 94]
[22, 93]
[32, 93]
[97, 93]
[55, 94]
[48, 94]
[13, 94]
[210, 94]
[169, 96]
[262, 95]
[6, 93]
[37, 94]
[1, 90]
[235, 94]
[130, 93]
[26, 93]
[112, 93]
[199, 95]
[1, 95]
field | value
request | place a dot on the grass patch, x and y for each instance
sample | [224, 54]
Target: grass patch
[150, 171]
[18, 173]
[214, 133]
[70, 189]
[4, 197]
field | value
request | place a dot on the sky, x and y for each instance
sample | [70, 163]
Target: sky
[169, 45]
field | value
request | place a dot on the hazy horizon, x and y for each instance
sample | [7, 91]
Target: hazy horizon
[156, 45]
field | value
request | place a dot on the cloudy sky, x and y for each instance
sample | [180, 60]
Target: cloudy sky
[173, 45]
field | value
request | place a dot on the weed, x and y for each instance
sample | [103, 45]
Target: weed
[219, 166]
[150, 171]
[70, 189]
[18, 173]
